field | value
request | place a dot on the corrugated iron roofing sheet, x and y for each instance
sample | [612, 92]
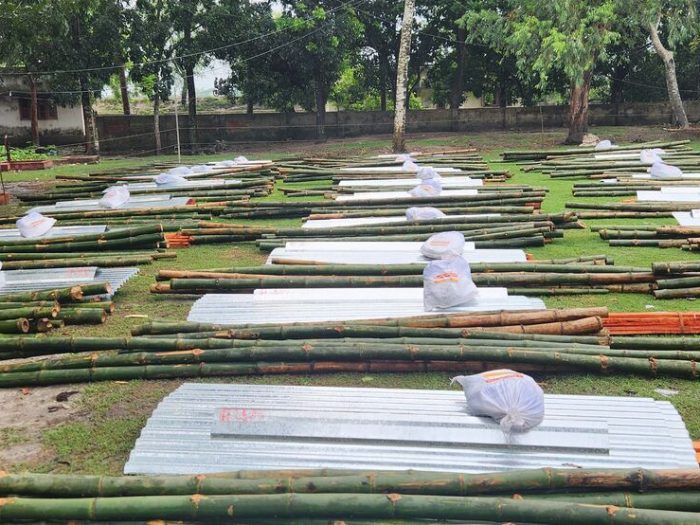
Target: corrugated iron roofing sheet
[50, 278]
[336, 304]
[213, 428]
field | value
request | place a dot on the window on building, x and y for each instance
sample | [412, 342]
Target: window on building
[46, 109]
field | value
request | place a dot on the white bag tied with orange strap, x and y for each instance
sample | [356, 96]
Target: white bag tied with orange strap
[115, 197]
[513, 399]
[443, 245]
[34, 224]
[447, 283]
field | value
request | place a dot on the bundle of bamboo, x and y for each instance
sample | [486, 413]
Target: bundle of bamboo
[653, 323]
[541, 496]
[538, 341]
[44, 310]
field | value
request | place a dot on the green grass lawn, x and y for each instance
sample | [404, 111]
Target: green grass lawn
[108, 416]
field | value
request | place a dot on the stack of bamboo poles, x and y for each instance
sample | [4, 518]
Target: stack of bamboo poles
[530, 278]
[252, 171]
[684, 237]
[142, 237]
[628, 210]
[240, 191]
[434, 343]
[41, 311]
[677, 280]
[147, 215]
[538, 497]
[627, 187]
[37, 261]
[578, 163]
[540, 155]
[318, 169]
[488, 202]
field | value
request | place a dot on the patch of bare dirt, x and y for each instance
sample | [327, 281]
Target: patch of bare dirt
[26, 413]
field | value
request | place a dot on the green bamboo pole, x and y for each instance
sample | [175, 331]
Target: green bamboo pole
[82, 315]
[14, 326]
[532, 481]
[367, 506]
[103, 262]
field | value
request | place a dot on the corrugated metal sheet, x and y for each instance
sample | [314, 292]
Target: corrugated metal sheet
[686, 218]
[337, 304]
[660, 196]
[31, 280]
[10, 235]
[362, 221]
[279, 427]
[389, 195]
[145, 187]
[396, 169]
[446, 182]
[135, 202]
[357, 252]
[689, 176]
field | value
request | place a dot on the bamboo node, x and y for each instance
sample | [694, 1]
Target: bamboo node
[604, 362]
[307, 348]
[229, 510]
[653, 365]
[196, 499]
[518, 497]
[393, 498]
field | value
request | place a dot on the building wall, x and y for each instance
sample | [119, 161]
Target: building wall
[67, 128]
[120, 133]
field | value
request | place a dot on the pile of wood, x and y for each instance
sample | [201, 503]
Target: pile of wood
[540, 496]
[44, 310]
[530, 341]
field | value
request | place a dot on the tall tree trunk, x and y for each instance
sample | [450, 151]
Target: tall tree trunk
[399, 142]
[457, 92]
[192, 107]
[578, 109]
[183, 95]
[156, 122]
[502, 93]
[34, 110]
[250, 107]
[320, 108]
[92, 146]
[674, 94]
[124, 88]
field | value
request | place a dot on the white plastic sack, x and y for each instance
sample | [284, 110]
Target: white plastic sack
[115, 197]
[428, 173]
[695, 214]
[447, 283]
[169, 179]
[409, 165]
[651, 156]
[443, 245]
[659, 170]
[34, 224]
[227, 163]
[513, 399]
[425, 213]
[240, 160]
[603, 145]
[180, 170]
[201, 168]
[429, 188]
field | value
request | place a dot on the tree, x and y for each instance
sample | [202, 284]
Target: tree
[672, 21]
[321, 34]
[250, 30]
[27, 47]
[399, 139]
[565, 35]
[189, 21]
[149, 45]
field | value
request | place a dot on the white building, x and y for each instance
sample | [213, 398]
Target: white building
[58, 124]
